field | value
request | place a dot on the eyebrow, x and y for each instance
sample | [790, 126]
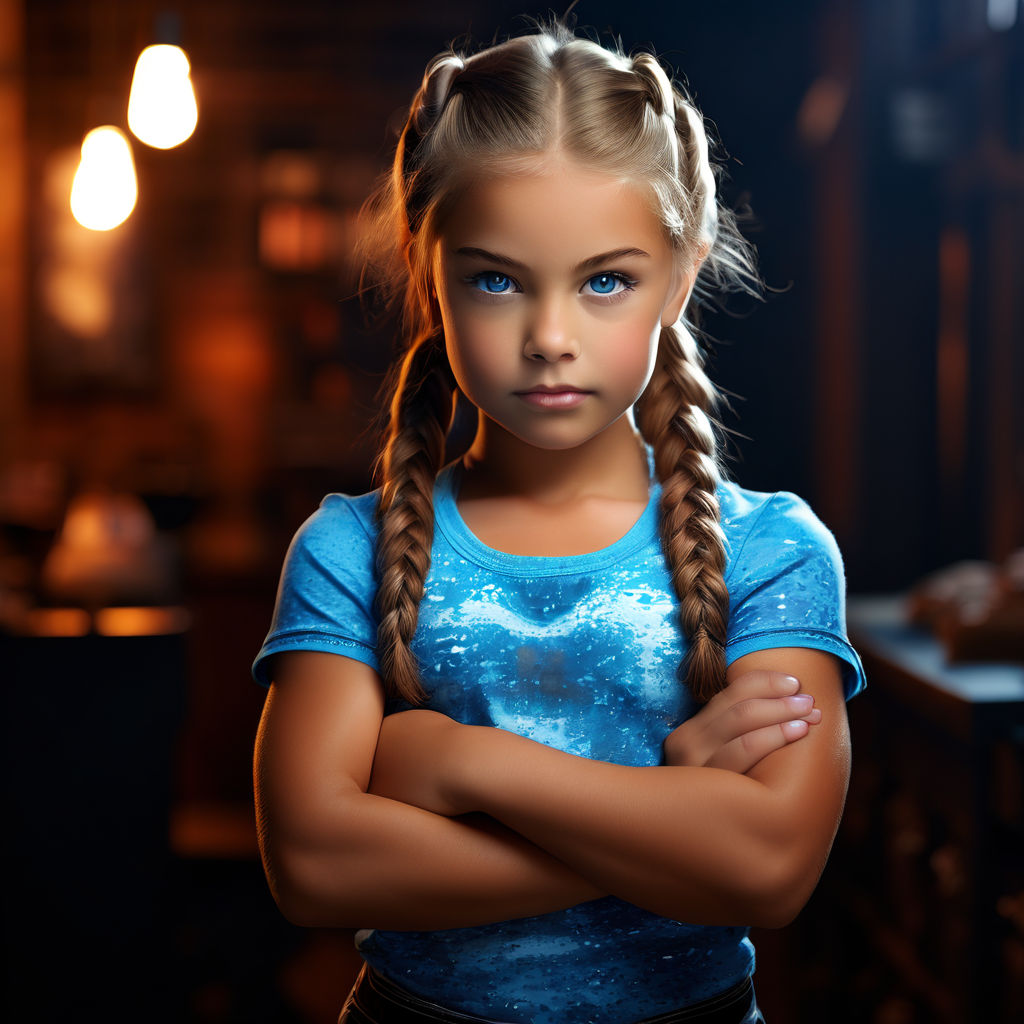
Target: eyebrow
[590, 263]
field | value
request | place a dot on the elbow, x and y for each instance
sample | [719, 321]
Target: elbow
[302, 912]
[294, 883]
[305, 873]
[776, 912]
[766, 889]
[282, 869]
[298, 905]
[783, 887]
[291, 896]
[293, 908]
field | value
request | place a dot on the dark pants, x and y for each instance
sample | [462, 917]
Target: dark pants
[376, 1000]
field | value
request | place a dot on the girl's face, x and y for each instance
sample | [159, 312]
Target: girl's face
[553, 287]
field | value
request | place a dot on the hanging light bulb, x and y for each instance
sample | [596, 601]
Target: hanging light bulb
[162, 109]
[104, 188]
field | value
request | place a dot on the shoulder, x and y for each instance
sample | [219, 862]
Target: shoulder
[765, 528]
[786, 580]
[328, 584]
[351, 513]
[342, 525]
[335, 547]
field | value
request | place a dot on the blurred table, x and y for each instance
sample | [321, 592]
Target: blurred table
[932, 843]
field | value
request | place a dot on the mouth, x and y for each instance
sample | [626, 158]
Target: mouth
[551, 389]
[553, 396]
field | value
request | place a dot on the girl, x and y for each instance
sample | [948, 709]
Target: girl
[534, 721]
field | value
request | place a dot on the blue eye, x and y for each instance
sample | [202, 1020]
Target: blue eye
[492, 282]
[609, 284]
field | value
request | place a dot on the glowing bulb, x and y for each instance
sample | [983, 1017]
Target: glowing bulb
[104, 188]
[1002, 15]
[162, 109]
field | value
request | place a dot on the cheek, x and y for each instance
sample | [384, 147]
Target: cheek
[461, 361]
[458, 339]
[632, 354]
[473, 355]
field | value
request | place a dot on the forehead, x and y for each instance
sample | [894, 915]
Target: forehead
[556, 214]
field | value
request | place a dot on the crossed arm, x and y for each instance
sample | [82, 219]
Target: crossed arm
[463, 825]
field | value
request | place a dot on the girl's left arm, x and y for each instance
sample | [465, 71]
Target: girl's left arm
[702, 845]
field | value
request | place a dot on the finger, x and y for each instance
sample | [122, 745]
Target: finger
[757, 683]
[751, 715]
[741, 754]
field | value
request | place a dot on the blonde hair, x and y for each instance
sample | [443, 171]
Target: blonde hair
[511, 103]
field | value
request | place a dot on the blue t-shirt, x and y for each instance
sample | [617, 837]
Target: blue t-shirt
[580, 653]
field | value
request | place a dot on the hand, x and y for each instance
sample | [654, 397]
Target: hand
[414, 750]
[758, 713]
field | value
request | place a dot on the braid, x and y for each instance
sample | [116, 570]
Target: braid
[731, 261]
[698, 221]
[657, 90]
[427, 107]
[421, 413]
[673, 415]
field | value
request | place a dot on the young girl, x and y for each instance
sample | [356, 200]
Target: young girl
[554, 722]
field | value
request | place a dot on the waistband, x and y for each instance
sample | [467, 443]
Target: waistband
[378, 1000]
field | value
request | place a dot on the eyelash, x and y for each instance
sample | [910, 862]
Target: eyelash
[628, 284]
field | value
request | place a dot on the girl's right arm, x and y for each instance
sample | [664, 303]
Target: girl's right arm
[337, 856]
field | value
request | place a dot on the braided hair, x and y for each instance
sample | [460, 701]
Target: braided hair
[624, 115]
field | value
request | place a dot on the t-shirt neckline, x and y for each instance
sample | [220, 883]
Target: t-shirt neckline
[449, 521]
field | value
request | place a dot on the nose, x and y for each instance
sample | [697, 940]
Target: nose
[551, 334]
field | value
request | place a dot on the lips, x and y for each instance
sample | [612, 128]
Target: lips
[553, 396]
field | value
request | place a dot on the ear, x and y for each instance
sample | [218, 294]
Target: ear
[683, 280]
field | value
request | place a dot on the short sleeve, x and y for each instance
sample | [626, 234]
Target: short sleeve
[328, 585]
[787, 588]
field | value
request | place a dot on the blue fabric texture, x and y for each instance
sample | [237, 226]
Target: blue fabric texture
[580, 653]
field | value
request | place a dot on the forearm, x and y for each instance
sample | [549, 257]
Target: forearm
[700, 844]
[697, 844]
[392, 866]
[338, 856]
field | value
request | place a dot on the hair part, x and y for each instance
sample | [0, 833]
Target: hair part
[505, 107]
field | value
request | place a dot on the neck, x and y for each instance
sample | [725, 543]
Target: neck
[610, 464]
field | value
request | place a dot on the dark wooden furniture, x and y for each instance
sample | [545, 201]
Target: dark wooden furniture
[925, 891]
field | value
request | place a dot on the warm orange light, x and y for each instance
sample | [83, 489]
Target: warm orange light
[106, 553]
[142, 621]
[162, 110]
[58, 622]
[104, 189]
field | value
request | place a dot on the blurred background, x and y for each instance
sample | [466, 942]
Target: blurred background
[178, 391]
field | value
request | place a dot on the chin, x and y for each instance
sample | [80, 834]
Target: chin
[553, 442]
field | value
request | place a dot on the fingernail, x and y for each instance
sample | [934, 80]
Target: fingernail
[794, 730]
[788, 684]
[801, 702]
[814, 717]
